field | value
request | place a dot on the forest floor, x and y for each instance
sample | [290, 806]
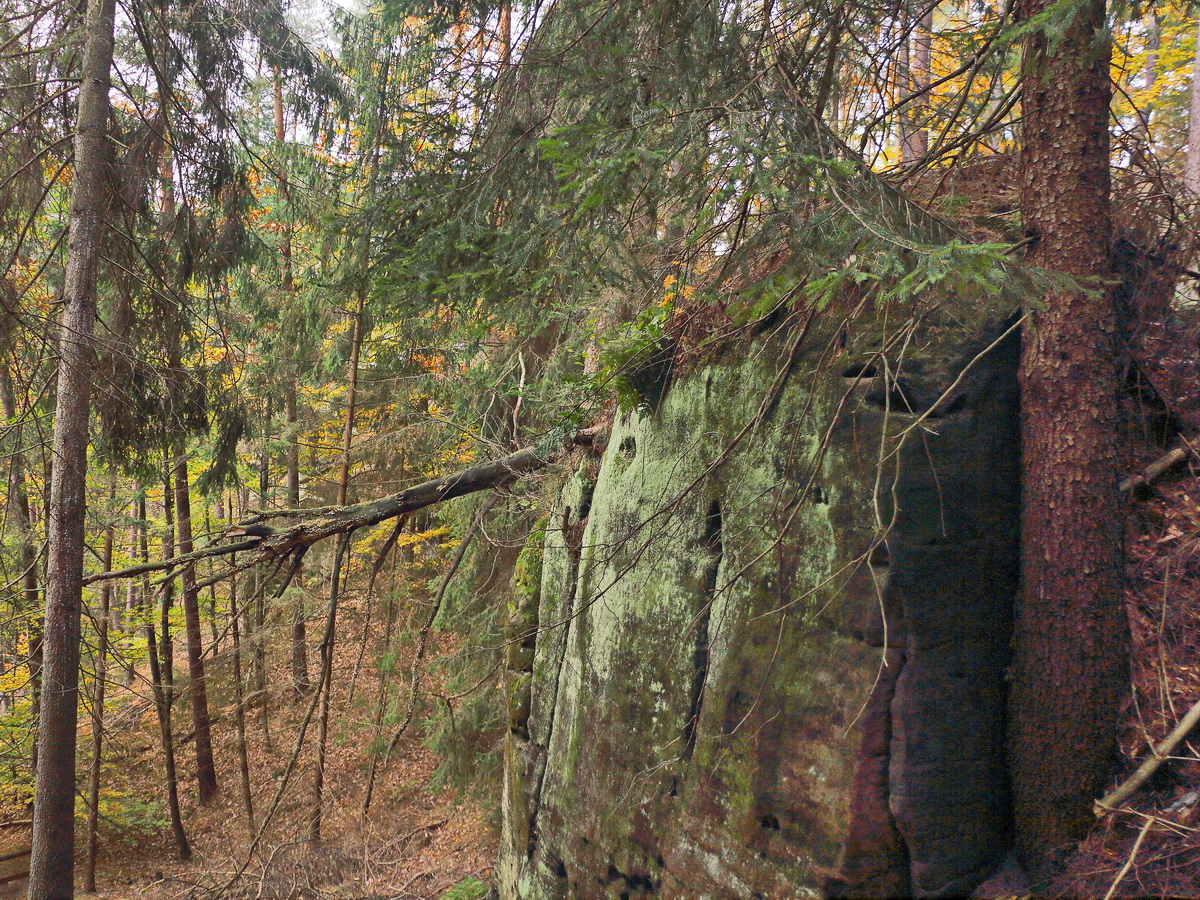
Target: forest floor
[413, 843]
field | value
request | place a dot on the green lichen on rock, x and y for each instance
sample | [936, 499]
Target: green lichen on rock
[710, 629]
[527, 573]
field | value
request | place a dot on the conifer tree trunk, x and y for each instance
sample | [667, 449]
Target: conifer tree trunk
[258, 605]
[162, 674]
[93, 820]
[212, 587]
[504, 33]
[1070, 669]
[52, 862]
[206, 773]
[325, 679]
[299, 649]
[239, 702]
[300, 681]
[1191, 174]
[132, 606]
[913, 70]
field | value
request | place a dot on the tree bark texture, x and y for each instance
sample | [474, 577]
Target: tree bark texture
[52, 862]
[206, 773]
[1070, 669]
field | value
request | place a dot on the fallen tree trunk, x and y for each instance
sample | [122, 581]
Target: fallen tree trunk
[268, 542]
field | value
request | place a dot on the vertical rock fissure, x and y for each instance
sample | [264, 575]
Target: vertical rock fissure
[929, 811]
[572, 534]
[710, 545]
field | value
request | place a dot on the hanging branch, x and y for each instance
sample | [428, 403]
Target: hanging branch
[269, 542]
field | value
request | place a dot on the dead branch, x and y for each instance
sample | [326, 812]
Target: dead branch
[269, 543]
[1168, 460]
[1114, 798]
[1137, 845]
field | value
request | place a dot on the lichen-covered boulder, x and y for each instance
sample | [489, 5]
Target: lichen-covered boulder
[766, 656]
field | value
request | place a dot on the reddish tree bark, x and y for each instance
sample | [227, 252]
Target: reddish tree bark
[1070, 669]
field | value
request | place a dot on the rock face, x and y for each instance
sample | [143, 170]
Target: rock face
[761, 651]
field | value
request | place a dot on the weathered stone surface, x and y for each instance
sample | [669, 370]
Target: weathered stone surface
[711, 712]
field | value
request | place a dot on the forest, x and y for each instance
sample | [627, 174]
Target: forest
[599, 448]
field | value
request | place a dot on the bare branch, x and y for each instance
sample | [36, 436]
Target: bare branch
[269, 542]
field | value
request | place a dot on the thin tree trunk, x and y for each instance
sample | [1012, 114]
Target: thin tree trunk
[93, 820]
[914, 74]
[285, 244]
[135, 602]
[381, 694]
[300, 682]
[239, 707]
[325, 680]
[212, 587]
[1071, 669]
[324, 685]
[206, 773]
[131, 604]
[504, 33]
[52, 862]
[258, 606]
[1191, 174]
[160, 685]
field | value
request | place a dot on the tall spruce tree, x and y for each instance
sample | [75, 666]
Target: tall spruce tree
[1071, 667]
[51, 867]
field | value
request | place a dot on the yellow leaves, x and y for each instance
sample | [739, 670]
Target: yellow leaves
[433, 363]
[674, 289]
[408, 540]
[14, 679]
